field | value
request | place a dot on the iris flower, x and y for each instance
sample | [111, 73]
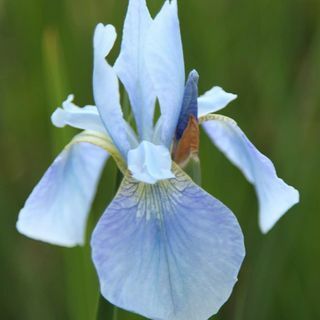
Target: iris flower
[164, 247]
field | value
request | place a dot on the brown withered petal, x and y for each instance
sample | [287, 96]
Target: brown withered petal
[188, 145]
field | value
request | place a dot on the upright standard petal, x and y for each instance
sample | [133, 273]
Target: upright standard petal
[106, 89]
[167, 251]
[214, 100]
[86, 118]
[131, 67]
[57, 209]
[275, 196]
[164, 58]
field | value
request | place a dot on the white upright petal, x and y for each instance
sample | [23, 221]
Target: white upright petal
[106, 89]
[131, 67]
[214, 100]
[150, 163]
[86, 118]
[275, 196]
[58, 207]
[164, 58]
[104, 39]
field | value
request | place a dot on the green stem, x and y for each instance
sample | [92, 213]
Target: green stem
[106, 310]
[115, 313]
[193, 169]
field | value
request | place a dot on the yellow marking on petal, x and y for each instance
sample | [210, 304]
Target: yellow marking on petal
[211, 116]
[153, 199]
[103, 141]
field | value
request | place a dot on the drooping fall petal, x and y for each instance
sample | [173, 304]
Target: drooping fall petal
[167, 251]
[58, 207]
[275, 196]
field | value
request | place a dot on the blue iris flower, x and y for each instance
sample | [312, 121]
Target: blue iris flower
[164, 247]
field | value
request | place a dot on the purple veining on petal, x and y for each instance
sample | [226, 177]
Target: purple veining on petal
[167, 251]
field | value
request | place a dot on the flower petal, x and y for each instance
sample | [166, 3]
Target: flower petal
[189, 104]
[106, 89]
[167, 251]
[86, 118]
[150, 163]
[275, 196]
[164, 58]
[214, 100]
[57, 209]
[131, 67]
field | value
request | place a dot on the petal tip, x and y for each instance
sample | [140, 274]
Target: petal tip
[69, 101]
[268, 221]
[47, 214]
[24, 228]
[214, 100]
[104, 38]
[194, 75]
[57, 118]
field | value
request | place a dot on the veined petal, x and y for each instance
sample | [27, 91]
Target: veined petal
[167, 251]
[58, 207]
[214, 100]
[164, 58]
[86, 118]
[106, 89]
[131, 66]
[275, 196]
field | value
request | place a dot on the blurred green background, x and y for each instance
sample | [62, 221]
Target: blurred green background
[267, 51]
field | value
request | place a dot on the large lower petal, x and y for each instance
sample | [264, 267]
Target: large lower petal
[275, 196]
[131, 67]
[165, 63]
[168, 251]
[58, 207]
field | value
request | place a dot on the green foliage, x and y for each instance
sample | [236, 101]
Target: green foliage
[267, 51]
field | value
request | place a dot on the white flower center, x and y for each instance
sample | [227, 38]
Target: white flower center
[150, 163]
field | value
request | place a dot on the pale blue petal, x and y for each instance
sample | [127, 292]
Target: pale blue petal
[86, 118]
[131, 66]
[275, 196]
[150, 163]
[106, 89]
[214, 100]
[58, 207]
[164, 58]
[167, 251]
